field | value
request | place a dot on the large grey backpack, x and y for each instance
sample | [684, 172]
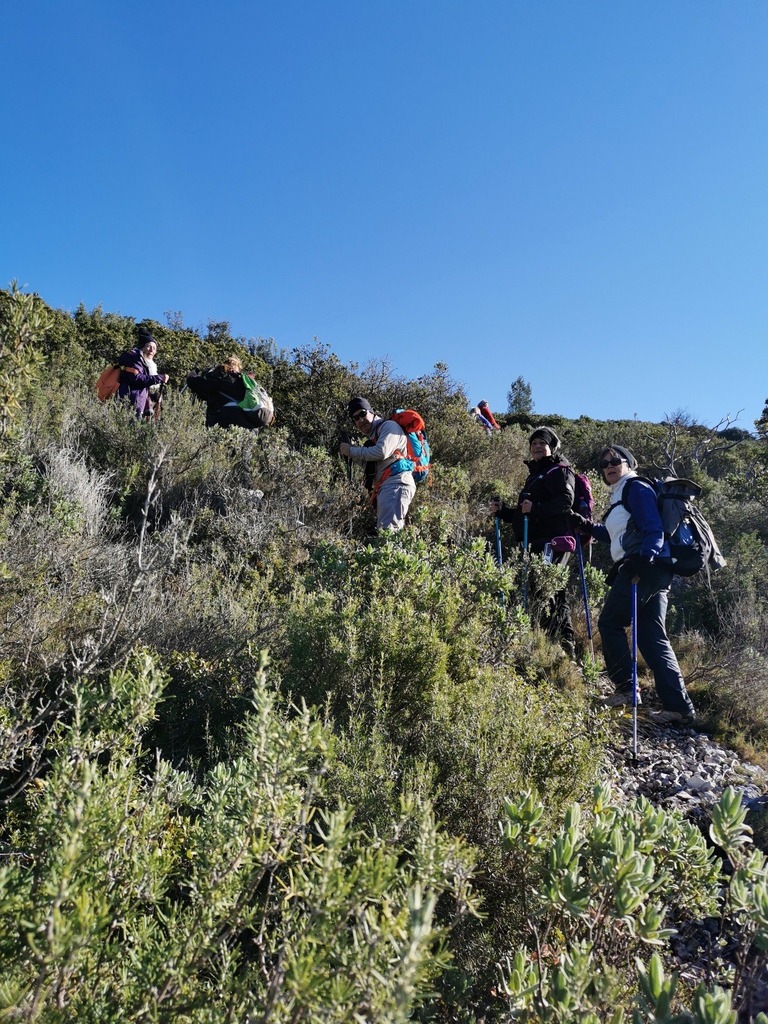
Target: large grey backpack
[692, 543]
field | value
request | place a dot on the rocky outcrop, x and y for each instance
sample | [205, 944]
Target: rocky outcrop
[681, 768]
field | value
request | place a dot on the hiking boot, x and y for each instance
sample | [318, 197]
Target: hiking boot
[621, 698]
[671, 718]
[569, 648]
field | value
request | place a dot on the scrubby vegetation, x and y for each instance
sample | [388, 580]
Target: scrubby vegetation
[257, 764]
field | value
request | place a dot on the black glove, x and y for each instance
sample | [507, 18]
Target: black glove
[581, 524]
[635, 565]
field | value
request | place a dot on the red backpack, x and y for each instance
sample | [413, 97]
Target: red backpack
[418, 447]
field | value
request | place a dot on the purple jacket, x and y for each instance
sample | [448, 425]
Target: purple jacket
[135, 386]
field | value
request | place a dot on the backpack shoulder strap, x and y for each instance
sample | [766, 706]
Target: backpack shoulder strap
[623, 499]
[628, 486]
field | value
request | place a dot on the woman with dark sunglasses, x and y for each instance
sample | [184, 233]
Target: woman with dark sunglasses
[640, 552]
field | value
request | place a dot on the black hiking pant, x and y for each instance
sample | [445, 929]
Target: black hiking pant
[556, 614]
[652, 640]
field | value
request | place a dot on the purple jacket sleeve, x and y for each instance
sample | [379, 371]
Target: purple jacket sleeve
[140, 380]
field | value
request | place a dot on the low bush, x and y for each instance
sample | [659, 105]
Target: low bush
[133, 893]
[603, 890]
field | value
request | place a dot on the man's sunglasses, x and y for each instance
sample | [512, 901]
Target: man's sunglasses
[359, 414]
[610, 462]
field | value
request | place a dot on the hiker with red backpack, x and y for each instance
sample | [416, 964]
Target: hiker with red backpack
[478, 417]
[643, 566]
[385, 452]
[543, 516]
[138, 375]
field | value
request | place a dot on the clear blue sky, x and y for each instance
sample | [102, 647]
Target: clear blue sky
[569, 190]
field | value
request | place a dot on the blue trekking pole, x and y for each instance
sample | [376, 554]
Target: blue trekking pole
[584, 595]
[634, 671]
[497, 500]
[525, 497]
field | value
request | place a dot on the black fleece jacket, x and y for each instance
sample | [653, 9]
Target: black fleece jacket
[550, 487]
[221, 390]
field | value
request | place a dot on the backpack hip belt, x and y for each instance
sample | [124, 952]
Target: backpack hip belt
[392, 470]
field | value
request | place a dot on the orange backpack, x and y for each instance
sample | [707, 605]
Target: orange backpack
[109, 381]
[416, 458]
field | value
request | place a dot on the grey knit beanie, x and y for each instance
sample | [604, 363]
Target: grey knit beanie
[625, 453]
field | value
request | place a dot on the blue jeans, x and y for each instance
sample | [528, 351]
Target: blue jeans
[652, 639]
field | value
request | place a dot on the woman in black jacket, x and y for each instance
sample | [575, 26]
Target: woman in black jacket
[546, 499]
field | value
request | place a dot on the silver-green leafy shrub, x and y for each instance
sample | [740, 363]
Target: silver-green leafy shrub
[132, 892]
[600, 891]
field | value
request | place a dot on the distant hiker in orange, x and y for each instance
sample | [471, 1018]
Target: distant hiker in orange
[478, 417]
[485, 411]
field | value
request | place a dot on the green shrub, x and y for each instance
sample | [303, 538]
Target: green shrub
[601, 891]
[136, 894]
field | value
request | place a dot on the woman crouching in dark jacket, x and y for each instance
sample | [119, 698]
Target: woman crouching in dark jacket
[546, 499]
[222, 389]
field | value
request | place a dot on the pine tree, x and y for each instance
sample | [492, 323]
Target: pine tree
[519, 398]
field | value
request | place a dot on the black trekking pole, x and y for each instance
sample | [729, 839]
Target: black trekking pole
[346, 438]
[584, 595]
[497, 501]
[634, 671]
[524, 497]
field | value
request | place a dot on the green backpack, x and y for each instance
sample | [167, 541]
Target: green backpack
[257, 403]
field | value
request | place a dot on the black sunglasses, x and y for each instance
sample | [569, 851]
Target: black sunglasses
[359, 414]
[610, 462]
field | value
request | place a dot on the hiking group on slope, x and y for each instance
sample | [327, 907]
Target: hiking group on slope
[547, 519]
[232, 397]
[546, 522]
[543, 519]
